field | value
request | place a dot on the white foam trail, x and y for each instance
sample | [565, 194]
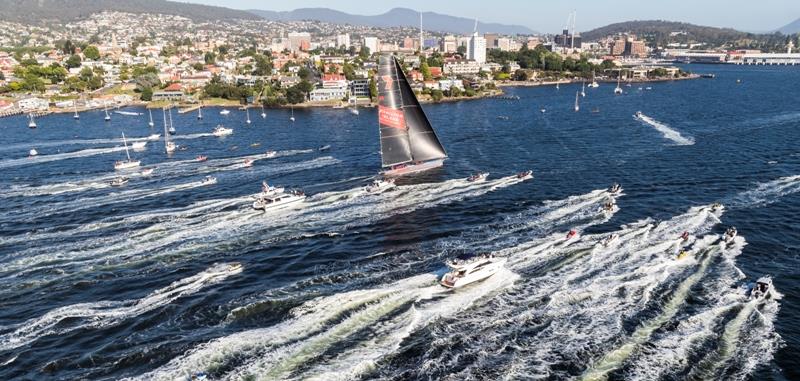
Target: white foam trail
[667, 131]
[107, 313]
[39, 159]
[61, 143]
[767, 193]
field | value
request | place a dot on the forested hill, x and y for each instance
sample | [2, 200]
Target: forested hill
[41, 11]
[659, 33]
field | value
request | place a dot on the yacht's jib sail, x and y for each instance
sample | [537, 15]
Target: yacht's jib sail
[406, 133]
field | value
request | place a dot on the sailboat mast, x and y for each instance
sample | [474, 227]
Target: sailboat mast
[170, 119]
[125, 142]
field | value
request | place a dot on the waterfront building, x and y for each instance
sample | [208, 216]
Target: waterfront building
[461, 67]
[327, 94]
[359, 87]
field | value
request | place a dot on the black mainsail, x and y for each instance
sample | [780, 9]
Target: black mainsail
[406, 134]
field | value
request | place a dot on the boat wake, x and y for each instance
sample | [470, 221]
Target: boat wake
[62, 143]
[667, 131]
[767, 193]
[40, 159]
[104, 314]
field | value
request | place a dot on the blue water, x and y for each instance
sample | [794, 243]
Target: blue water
[106, 283]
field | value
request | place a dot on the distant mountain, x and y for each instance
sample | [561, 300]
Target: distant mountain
[791, 28]
[393, 18]
[39, 11]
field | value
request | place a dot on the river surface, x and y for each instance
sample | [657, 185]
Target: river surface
[138, 281]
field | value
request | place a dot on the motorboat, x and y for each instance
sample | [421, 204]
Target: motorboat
[33, 152]
[685, 236]
[119, 181]
[467, 272]
[379, 185]
[208, 180]
[201, 158]
[638, 115]
[524, 175]
[270, 154]
[170, 147]
[254, 145]
[225, 112]
[198, 376]
[267, 189]
[324, 148]
[716, 207]
[248, 162]
[615, 188]
[608, 206]
[543, 111]
[729, 235]
[222, 131]
[171, 130]
[480, 176]
[761, 288]
[147, 171]
[502, 117]
[154, 137]
[354, 111]
[610, 240]
[281, 200]
[31, 122]
[648, 88]
[138, 145]
[128, 113]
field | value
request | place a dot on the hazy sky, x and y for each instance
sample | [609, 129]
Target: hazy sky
[550, 15]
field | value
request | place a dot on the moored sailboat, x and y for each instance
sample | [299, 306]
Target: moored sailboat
[577, 107]
[408, 142]
[126, 164]
[169, 146]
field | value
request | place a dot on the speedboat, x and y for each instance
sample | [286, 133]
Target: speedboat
[638, 114]
[685, 236]
[198, 376]
[270, 154]
[254, 145]
[119, 181]
[278, 200]
[147, 171]
[354, 111]
[379, 185]
[608, 206]
[170, 147]
[464, 273]
[480, 176]
[572, 234]
[248, 162]
[543, 111]
[138, 145]
[525, 175]
[502, 117]
[33, 152]
[324, 148]
[614, 188]
[222, 131]
[610, 240]
[201, 158]
[716, 207]
[171, 130]
[225, 112]
[126, 164]
[729, 235]
[154, 137]
[761, 288]
[208, 180]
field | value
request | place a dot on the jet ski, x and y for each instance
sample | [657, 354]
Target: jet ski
[730, 234]
[467, 272]
[610, 240]
[761, 288]
[480, 176]
[572, 234]
[682, 254]
[248, 162]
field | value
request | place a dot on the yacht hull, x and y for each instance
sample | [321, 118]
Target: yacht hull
[409, 169]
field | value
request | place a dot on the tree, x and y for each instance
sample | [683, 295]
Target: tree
[364, 53]
[426, 70]
[263, 65]
[295, 95]
[455, 91]
[437, 95]
[435, 60]
[92, 53]
[304, 73]
[68, 47]
[462, 50]
[349, 71]
[210, 58]
[197, 66]
[73, 61]
[521, 75]
[147, 94]
[373, 88]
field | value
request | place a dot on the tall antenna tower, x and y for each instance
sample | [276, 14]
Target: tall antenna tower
[421, 38]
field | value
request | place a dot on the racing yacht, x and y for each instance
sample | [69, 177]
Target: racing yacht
[471, 271]
[408, 141]
[379, 185]
[126, 164]
[480, 176]
[220, 131]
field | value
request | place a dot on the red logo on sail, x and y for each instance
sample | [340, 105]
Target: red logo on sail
[390, 117]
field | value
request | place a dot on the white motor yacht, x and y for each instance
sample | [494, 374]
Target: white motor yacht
[729, 235]
[154, 137]
[222, 131]
[480, 176]
[464, 273]
[761, 288]
[225, 112]
[138, 145]
[33, 152]
[274, 201]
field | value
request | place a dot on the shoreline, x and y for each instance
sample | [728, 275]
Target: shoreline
[568, 82]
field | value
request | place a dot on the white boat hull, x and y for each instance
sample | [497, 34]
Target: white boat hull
[127, 165]
[450, 281]
[293, 200]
